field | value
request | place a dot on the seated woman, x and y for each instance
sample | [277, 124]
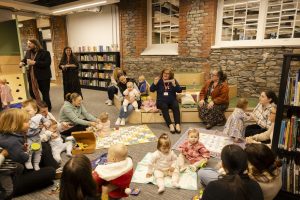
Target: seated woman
[235, 183]
[264, 169]
[122, 86]
[214, 99]
[74, 113]
[166, 87]
[267, 136]
[113, 89]
[261, 113]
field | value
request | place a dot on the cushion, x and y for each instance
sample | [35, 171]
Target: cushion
[187, 99]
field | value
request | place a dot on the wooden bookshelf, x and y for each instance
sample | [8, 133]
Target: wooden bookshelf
[287, 129]
[96, 68]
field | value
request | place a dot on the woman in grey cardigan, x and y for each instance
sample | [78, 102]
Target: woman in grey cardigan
[74, 113]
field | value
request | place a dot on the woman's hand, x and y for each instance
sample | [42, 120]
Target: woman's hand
[173, 82]
[201, 103]
[93, 124]
[210, 105]
[156, 79]
[253, 117]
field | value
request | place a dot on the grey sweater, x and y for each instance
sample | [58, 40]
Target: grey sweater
[76, 115]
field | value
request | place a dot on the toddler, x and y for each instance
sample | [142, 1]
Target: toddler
[56, 142]
[163, 163]
[103, 126]
[132, 94]
[192, 152]
[5, 94]
[149, 105]
[143, 86]
[234, 126]
[116, 174]
[35, 133]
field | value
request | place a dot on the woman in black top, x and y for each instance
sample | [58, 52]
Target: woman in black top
[235, 184]
[69, 66]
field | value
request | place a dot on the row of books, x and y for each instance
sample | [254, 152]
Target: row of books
[94, 83]
[289, 138]
[100, 66]
[94, 75]
[104, 57]
[292, 94]
[290, 176]
[100, 48]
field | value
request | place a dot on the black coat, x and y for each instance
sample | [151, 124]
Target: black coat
[41, 68]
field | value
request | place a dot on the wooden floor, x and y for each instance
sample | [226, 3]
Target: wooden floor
[94, 102]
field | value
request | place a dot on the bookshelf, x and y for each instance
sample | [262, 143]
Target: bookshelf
[286, 137]
[96, 68]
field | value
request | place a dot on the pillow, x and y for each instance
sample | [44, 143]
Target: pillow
[187, 99]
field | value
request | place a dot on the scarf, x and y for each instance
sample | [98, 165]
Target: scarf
[34, 83]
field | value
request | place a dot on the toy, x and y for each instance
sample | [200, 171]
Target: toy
[81, 146]
[85, 142]
[35, 146]
[199, 196]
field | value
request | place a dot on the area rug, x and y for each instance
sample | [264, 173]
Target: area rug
[187, 180]
[213, 140]
[127, 135]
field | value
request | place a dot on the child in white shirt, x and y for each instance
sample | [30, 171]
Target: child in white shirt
[131, 93]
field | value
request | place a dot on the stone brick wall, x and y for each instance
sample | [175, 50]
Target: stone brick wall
[27, 32]
[196, 33]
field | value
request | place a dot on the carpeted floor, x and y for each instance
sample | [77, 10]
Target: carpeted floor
[94, 102]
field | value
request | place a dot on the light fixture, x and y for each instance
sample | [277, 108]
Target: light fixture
[78, 7]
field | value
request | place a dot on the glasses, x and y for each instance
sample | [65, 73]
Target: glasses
[166, 73]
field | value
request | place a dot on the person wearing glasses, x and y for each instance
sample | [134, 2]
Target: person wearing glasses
[214, 99]
[167, 87]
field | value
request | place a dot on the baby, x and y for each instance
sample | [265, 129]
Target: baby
[192, 152]
[163, 163]
[132, 93]
[5, 94]
[149, 105]
[56, 142]
[35, 133]
[103, 127]
[117, 173]
[143, 86]
[234, 126]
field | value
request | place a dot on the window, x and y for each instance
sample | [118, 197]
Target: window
[258, 23]
[163, 27]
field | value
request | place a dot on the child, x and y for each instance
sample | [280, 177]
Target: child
[117, 173]
[103, 126]
[234, 126]
[76, 181]
[163, 163]
[5, 94]
[193, 152]
[56, 142]
[149, 105]
[132, 94]
[143, 86]
[35, 133]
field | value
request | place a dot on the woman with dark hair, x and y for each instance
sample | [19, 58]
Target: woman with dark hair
[261, 112]
[69, 66]
[39, 72]
[113, 88]
[235, 184]
[214, 99]
[166, 88]
[77, 182]
[264, 169]
[74, 113]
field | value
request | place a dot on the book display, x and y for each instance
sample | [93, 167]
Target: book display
[286, 138]
[96, 68]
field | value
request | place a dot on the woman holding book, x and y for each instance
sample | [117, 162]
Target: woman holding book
[69, 66]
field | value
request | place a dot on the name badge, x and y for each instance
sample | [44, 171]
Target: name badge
[166, 93]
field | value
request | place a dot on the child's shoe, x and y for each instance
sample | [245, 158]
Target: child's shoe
[118, 122]
[28, 165]
[109, 102]
[122, 122]
[36, 166]
[161, 189]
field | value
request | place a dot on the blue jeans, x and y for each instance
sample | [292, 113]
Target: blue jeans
[125, 114]
[207, 175]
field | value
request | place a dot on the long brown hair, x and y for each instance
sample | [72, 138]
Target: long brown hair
[36, 43]
[12, 120]
[76, 181]
[171, 75]
[65, 57]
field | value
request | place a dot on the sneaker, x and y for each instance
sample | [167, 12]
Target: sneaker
[177, 128]
[109, 103]
[172, 129]
[118, 122]
[122, 122]
[28, 165]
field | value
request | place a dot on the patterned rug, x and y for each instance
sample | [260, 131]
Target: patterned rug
[213, 140]
[127, 135]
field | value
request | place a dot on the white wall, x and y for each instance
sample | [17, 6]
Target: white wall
[94, 29]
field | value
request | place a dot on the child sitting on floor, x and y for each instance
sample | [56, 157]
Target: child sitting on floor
[56, 142]
[130, 97]
[149, 105]
[163, 163]
[103, 126]
[5, 94]
[35, 133]
[192, 152]
[116, 174]
[234, 126]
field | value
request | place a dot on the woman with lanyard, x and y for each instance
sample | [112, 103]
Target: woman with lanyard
[166, 87]
[69, 66]
[214, 99]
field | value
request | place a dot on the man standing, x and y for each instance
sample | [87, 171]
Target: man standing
[39, 72]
